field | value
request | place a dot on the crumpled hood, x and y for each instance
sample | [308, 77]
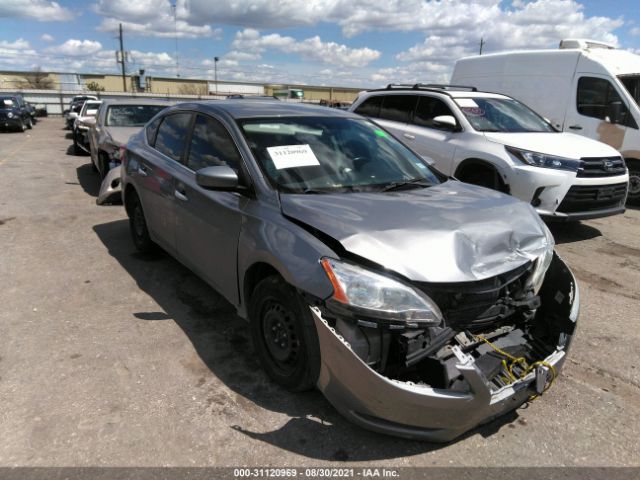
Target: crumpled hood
[453, 232]
[120, 135]
[562, 144]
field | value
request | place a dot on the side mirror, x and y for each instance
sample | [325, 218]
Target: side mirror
[219, 177]
[615, 112]
[446, 121]
[90, 121]
[73, 115]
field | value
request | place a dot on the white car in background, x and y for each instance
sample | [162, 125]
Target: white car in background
[82, 124]
[497, 142]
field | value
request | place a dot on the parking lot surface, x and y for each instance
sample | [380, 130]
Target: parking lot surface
[112, 359]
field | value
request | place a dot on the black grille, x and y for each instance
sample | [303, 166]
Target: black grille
[601, 167]
[476, 305]
[586, 198]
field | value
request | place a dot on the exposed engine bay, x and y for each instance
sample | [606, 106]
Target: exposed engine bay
[500, 323]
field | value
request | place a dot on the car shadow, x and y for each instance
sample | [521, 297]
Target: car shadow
[88, 179]
[223, 343]
[572, 232]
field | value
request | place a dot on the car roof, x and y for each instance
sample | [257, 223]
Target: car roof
[139, 101]
[247, 108]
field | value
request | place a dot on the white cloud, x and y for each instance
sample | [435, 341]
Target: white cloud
[47, 38]
[41, 10]
[311, 48]
[74, 48]
[150, 18]
[635, 31]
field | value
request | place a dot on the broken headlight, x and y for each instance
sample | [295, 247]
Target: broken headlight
[542, 264]
[377, 296]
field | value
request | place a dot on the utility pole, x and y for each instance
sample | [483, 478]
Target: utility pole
[482, 42]
[175, 34]
[121, 61]
[215, 72]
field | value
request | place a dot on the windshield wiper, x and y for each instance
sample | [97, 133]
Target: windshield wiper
[418, 182]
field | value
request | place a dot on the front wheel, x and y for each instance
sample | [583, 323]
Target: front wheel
[138, 226]
[284, 335]
[633, 198]
[29, 123]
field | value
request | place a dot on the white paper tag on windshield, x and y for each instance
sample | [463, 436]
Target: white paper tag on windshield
[466, 102]
[292, 156]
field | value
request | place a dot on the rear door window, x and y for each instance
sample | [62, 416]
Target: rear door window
[172, 135]
[398, 108]
[370, 107]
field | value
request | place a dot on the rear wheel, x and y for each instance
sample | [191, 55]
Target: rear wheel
[284, 335]
[633, 197]
[138, 226]
[103, 160]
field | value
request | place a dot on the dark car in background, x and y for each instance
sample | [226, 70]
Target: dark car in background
[419, 305]
[14, 113]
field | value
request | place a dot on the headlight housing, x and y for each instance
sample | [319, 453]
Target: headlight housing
[543, 160]
[542, 265]
[377, 296]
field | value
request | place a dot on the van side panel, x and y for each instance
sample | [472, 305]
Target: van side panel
[541, 80]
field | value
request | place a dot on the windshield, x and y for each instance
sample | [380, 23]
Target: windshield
[6, 102]
[325, 154]
[131, 115]
[501, 115]
[632, 84]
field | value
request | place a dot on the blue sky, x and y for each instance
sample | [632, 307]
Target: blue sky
[337, 42]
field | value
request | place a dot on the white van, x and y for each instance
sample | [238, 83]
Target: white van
[585, 87]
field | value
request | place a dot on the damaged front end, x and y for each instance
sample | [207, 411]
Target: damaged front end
[111, 187]
[460, 355]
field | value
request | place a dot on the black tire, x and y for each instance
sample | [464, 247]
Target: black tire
[29, 123]
[22, 127]
[138, 226]
[633, 198]
[103, 160]
[76, 148]
[284, 335]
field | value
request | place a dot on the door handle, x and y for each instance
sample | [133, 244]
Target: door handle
[180, 194]
[409, 136]
[143, 170]
[575, 127]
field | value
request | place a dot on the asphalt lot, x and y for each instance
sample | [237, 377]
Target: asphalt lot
[107, 358]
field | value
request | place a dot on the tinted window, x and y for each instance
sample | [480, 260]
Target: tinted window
[501, 115]
[370, 107]
[398, 108]
[172, 135]
[599, 99]
[211, 145]
[428, 109]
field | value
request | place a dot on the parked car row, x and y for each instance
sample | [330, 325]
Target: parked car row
[16, 113]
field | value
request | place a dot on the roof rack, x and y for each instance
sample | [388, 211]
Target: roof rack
[444, 86]
[428, 86]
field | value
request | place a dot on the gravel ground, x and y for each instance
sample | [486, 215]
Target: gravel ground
[109, 359]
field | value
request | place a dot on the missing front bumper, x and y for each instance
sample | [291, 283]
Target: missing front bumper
[410, 410]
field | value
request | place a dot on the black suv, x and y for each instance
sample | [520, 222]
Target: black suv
[14, 113]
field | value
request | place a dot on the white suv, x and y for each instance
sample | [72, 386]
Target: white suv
[495, 141]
